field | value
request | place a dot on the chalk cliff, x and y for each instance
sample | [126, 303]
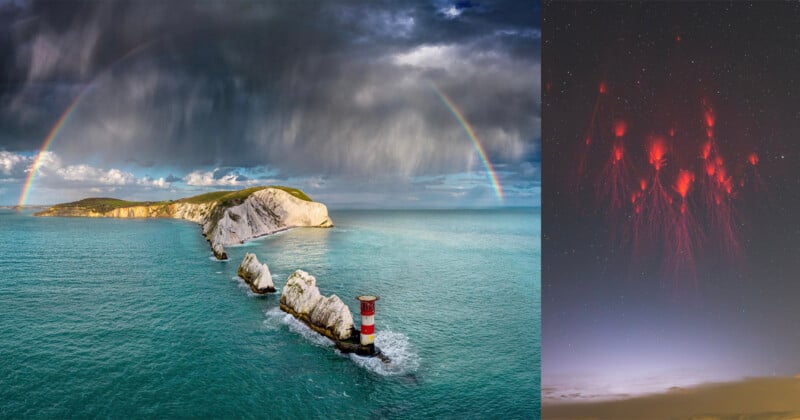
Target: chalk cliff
[226, 218]
[326, 315]
[264, 212]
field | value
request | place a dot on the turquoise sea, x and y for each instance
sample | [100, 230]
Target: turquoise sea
[133, 318]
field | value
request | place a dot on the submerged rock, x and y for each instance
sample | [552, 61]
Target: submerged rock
[256, 275]
[326, 315]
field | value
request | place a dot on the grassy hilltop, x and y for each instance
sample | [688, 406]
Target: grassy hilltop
[223, 198]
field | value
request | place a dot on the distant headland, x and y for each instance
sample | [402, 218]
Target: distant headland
[227, 217]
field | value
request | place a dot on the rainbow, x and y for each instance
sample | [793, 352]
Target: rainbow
[498, 189]
[37, 161]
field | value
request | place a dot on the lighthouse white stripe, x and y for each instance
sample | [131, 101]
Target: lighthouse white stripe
[367, 319]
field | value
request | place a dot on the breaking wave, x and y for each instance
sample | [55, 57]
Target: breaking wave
[403, 359]
[396, 346]
[276, 315]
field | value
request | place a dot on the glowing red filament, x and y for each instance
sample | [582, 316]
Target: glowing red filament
[620, 127]
[728, 186]
[709, 114]
[753, 159]
[672, 132]
[721, 174]
[602, 87]
[705, 151]
[684, 182]
[618, 152]
[643, 184]
[657, 151]
[710, 169]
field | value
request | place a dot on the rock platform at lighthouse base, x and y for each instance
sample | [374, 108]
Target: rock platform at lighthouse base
[350, 345]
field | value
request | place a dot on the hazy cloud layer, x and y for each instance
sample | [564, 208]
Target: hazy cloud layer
[306, 89]
[73, 180]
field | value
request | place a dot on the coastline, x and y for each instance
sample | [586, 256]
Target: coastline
[226, 217]
[762, 397]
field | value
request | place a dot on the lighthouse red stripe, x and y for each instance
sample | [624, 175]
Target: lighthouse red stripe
[368, 311]
[367, 329]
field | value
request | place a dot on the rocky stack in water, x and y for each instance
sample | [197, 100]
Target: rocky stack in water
[328, 316]
[219, 251]
[256, 275]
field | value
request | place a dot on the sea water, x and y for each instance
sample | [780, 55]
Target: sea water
[133, 318]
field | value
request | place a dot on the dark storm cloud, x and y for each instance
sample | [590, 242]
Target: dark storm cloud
[302, 87]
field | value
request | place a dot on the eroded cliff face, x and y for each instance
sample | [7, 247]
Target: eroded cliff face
[262, 213]
[326, 315]
[188, 211]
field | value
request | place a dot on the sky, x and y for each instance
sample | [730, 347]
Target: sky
[671, 183]
[155, 100]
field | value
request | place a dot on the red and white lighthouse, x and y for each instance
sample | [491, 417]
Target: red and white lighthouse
[368, 320]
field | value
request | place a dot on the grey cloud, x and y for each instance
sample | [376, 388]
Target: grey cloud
[305, 88]
[12, 165]
[54, 174]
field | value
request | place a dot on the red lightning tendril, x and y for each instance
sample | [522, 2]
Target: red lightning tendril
[677, 201]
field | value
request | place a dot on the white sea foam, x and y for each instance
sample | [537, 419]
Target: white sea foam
[270, 325]
[243, 285]
[276, 315]
[396, 346]
[213, 258]
[273, 318]
[403, 359]
[256, 241]
[245, 244]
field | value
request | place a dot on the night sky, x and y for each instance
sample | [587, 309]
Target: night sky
[694, 280]
[335, 97]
